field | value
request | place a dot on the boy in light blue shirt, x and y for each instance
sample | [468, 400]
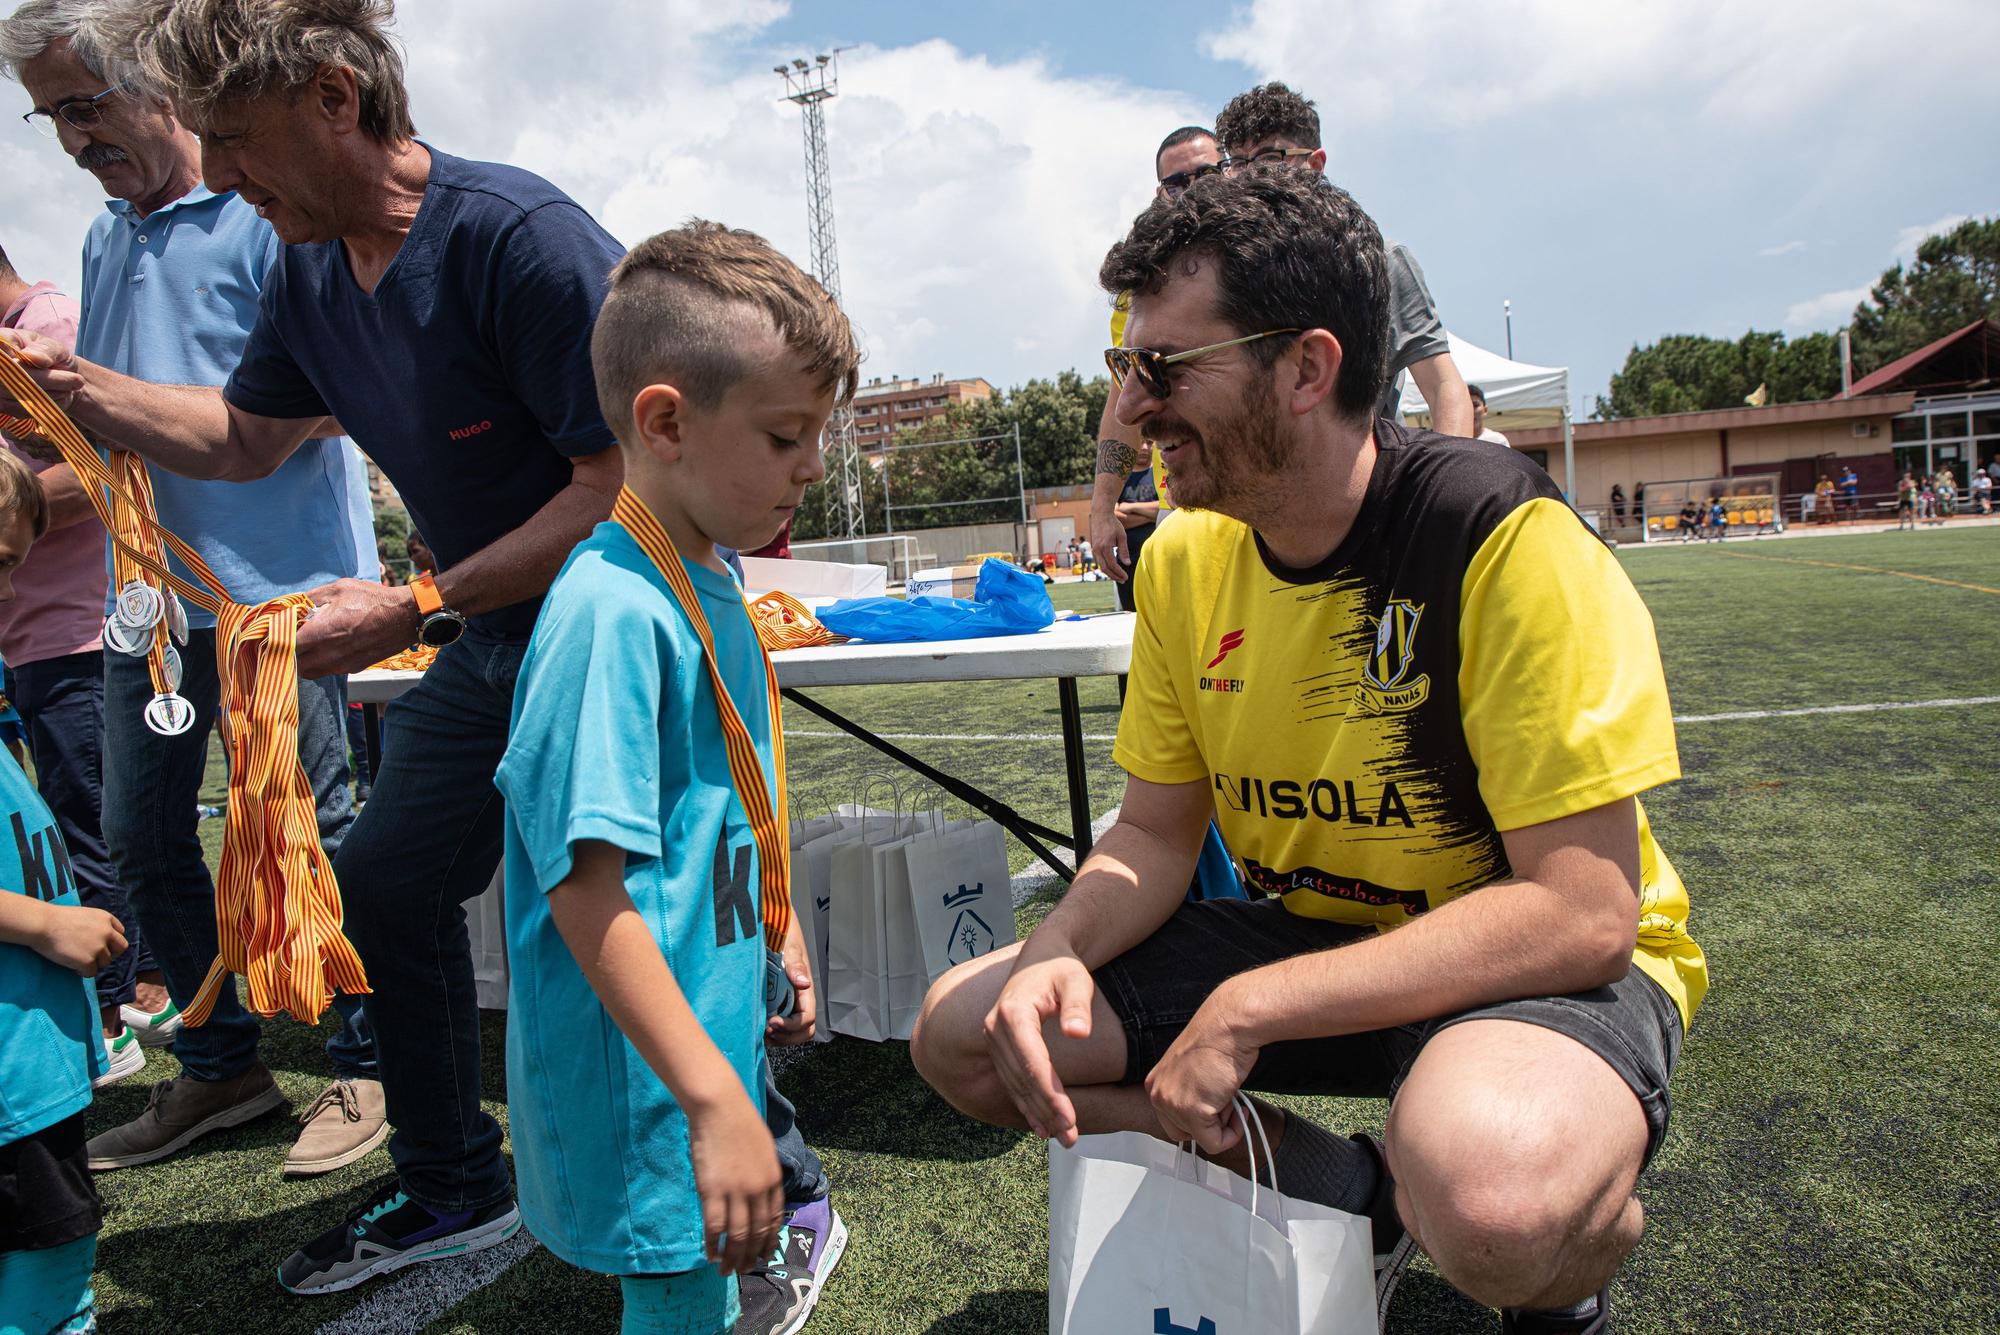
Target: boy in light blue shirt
[634, 862]
[51, 1046]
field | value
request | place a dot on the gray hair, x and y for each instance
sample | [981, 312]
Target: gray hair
[202, 53]
[40, 24]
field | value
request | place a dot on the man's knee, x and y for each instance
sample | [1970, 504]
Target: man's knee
[1500, 1207]
[948, 1044]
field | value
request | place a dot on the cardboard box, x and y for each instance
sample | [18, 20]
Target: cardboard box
[943, 582]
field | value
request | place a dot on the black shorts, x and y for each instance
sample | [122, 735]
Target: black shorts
[1158, 985]
[46, 1195]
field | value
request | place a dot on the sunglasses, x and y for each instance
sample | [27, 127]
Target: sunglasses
[1151, 367]
[82, 113]
[1172, 186]
[1270, 157]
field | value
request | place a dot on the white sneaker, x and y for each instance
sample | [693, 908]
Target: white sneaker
[126, 1057]
[155, 1030]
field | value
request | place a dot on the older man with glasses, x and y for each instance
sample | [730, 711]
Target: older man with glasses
[172, 279]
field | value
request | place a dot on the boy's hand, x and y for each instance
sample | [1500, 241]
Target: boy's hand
[736, 1174]
[792, 1030]
[82, 940]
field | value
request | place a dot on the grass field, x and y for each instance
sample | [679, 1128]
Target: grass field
[1835, 1149]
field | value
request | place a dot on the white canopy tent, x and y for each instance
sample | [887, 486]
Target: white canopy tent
[1517, 394]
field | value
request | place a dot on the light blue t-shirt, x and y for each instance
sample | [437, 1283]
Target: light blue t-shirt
[616, 738]
[171, 298]
[50, 1043]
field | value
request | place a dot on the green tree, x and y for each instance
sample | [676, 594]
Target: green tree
[1685, 373]
[1954, 280]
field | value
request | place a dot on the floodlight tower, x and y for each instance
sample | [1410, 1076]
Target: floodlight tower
[810, 85]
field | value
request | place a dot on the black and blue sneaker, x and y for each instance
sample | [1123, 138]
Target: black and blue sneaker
[389, 1231]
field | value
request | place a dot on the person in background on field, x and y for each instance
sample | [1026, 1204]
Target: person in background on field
[175, 276]
[1823, 502]
[1947, 494]
[1139, 514]
[51, 1047]
[1083, 554]
[1481, 431]
[1850, 490]
[641, 987]
[51, 636]
[1690, 520]
[1618, 502]
[1187, 155]
[1982, 493]
[1718, 520]
[1906, 502]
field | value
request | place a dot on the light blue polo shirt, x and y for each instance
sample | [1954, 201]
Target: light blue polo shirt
[616, 738]
[50, 1043]
[171, 298]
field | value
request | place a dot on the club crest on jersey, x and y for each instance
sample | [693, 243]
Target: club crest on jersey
[1390, 683]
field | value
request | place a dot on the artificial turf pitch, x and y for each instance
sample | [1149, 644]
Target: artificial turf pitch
[1835, 1146]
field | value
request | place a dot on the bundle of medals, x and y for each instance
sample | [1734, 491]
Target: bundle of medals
[148, 620]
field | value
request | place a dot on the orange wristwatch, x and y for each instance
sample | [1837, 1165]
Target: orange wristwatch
[439, 625]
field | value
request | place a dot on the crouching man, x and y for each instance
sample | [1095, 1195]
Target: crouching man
[1421, 699]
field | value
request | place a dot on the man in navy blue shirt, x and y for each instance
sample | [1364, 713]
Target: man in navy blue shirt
[439, 311]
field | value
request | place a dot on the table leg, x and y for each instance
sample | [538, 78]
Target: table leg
[1079, 776]
[371, 738]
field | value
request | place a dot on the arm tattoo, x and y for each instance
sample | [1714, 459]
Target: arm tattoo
[1115, 456]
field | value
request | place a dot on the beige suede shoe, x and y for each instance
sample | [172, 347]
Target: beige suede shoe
[181, 1111]
[346, 1121]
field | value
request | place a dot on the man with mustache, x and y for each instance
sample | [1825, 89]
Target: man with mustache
[1422, 699]
[172, 277]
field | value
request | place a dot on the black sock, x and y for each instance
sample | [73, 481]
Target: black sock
[1316, 1165]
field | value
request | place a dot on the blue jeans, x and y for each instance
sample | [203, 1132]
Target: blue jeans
[62, 702]
[151, 784]
[805, 1179]
[428, 841]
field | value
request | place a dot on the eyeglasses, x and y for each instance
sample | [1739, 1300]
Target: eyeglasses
[1151, 367]
[82, 113]
[1172, 186]
[1270, 157]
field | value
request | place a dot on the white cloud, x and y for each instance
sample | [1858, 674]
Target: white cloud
[974, 199]
[1442, 62]
[1829, 310]
[1789, 247]
[1910, 238]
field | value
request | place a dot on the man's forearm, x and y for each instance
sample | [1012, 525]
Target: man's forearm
[522, 564]
[1512, 939]
[68, 500]
[182, 428]
[1445, 390]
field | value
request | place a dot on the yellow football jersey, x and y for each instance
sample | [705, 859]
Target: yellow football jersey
[1471, 659]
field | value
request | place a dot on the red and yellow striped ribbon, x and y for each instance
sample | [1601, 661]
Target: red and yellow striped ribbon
[278, 912]
[774, 852]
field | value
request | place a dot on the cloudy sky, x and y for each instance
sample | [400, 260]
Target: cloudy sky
[1618, 169]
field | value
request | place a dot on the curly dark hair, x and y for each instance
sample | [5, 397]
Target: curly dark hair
[1267, 110]
[1292, 250]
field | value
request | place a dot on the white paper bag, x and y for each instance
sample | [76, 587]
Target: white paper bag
[960, 896]
[1148, 1239]
[812, 901]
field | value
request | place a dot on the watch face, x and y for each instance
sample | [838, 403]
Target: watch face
[440, 629]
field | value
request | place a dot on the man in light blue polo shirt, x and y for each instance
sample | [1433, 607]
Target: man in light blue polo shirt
[172, 277]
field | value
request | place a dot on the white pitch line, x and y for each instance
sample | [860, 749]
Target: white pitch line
[428, 1290]
[1737, 717]
[1746, 714]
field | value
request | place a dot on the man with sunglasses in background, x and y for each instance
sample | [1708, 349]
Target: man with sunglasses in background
[1272, 126]
[172, 277]
[1422, 699]
[1189, 154]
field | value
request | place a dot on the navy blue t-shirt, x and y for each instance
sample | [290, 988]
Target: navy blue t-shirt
[466, 375]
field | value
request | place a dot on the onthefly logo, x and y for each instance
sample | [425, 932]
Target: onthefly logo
[1387, 684]
[1231, 641]
[1163, 1324]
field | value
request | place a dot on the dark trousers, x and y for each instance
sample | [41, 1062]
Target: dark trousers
[151, 784]
[62, 703]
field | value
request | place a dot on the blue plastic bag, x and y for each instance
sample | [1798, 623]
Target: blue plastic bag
[1006, 601]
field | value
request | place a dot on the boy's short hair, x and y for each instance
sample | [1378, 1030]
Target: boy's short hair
[21, 491]
[667, 318]
[1266, 111]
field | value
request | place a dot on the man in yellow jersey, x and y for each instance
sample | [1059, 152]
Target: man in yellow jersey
[1187, 155]
[1422, 699]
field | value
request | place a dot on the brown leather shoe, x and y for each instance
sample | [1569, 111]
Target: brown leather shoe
[346, 1121]
[181, 1111]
